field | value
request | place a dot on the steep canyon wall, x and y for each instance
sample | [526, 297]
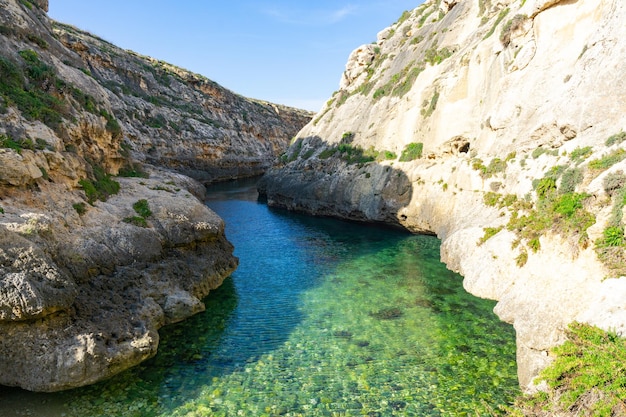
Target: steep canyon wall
[497, 126]
[102, 239]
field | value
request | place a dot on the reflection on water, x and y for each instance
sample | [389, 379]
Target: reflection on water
[322, 318]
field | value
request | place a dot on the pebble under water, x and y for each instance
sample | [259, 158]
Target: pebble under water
[322, 318]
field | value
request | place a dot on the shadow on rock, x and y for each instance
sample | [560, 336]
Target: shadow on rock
[340, 180]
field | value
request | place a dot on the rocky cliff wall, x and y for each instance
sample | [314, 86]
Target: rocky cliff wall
[177, 119]
[98, 249]
[496, 126]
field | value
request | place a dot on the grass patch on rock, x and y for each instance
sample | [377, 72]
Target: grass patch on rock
[587, 377]
[412, 151]
[611, 247]
[101, 187]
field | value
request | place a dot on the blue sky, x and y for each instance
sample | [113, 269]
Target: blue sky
[281, 51]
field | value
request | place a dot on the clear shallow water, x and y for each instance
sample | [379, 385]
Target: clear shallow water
[322, 318]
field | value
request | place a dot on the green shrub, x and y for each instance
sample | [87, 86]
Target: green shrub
[580, 154]
[142, 208]
[545, 186]
[534, 244]
[617, 138]
[101, 187]
[9, 143]
[491, 199]
[327, 153]
[612, 236]
[355, 154]
[156, 122]
[570, 180]
[586, 376]
[1, 210]
[556, 171]
[399, 84]
[405, 86]
[538, 152]
[510, 26]
[567, 204]
[112, 125]
[430, 107]
[80, 208]
[436, 56]
[496, 165]
[501, 16]
[489, 233]
[133, 171]
[386, 156]
[608, 161]
[405, 15]
[347, 137]
[425, 16]
[561, 213]
[510, 156]
[37, 40]
[136, 220]
[521, 259]
[613, 182]
[35, 89]
[412, 151]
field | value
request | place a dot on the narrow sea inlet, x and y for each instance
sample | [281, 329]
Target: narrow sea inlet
[322, 318]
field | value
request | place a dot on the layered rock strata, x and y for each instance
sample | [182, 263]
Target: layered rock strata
[219, 135]
[496, 126]
[99, 248]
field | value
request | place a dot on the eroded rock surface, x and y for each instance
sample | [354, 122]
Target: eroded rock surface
[219, 134]
[470, 116]
[98, 247]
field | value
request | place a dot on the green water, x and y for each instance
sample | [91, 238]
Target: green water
[322, 318]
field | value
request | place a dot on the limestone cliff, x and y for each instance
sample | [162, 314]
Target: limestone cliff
[496, 126]
[97, 249]
[218, 134]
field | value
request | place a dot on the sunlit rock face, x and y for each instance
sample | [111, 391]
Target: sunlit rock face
[181, 120]
[479, 121]
[92, 264]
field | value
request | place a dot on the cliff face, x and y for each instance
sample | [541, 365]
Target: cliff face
[180, 120]
[97, 249]
[496, 126]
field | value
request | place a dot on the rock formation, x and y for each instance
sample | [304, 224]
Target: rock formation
[221, 135]
[99, 249]
[496, 126]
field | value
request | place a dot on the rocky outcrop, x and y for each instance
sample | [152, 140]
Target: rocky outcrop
[496, 126]
[99, 248]
[177, 119]
[83, 295]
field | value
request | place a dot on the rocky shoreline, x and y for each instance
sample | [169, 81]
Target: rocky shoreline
[103, 239]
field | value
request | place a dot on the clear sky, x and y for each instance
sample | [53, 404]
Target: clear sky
[287, 52]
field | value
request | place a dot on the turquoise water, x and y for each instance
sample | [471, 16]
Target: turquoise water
[322, 318]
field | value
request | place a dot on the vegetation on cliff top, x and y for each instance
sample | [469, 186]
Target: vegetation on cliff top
[39, 94]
